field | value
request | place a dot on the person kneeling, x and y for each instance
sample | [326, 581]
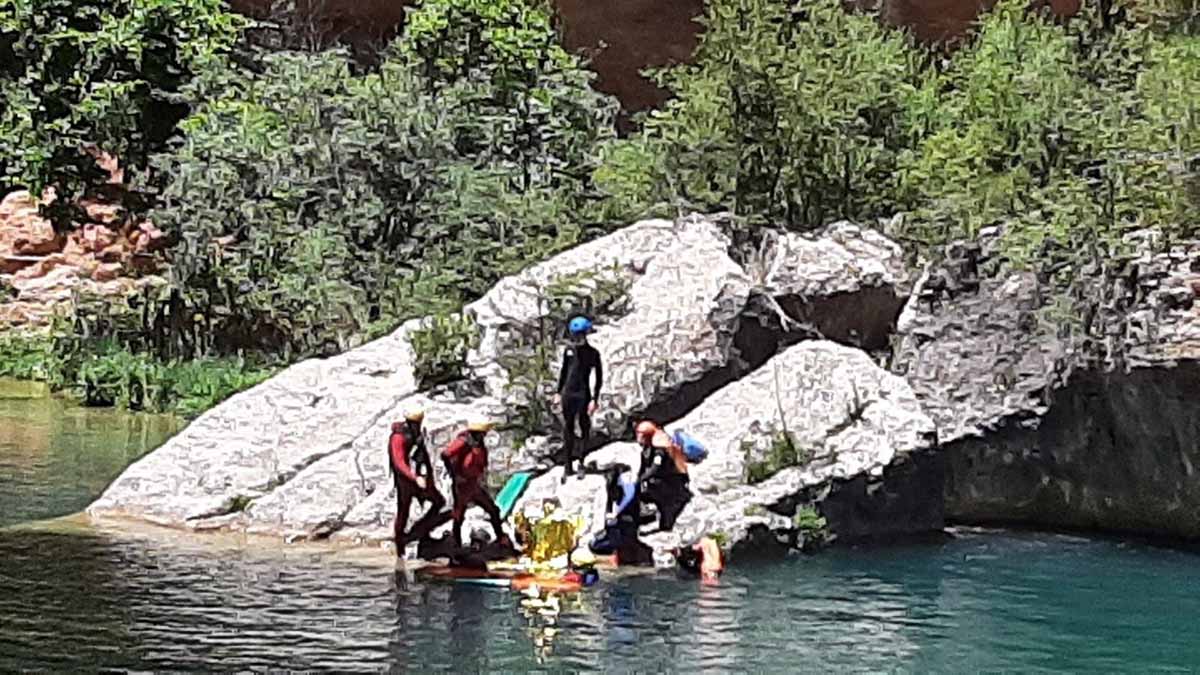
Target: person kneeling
[623, 506]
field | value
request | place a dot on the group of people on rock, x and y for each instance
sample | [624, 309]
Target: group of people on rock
[661, 478]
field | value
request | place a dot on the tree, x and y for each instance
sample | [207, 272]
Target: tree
[106, 74]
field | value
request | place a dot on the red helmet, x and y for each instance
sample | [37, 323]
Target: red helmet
[645, 429]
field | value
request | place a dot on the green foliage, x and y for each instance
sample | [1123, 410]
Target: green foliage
[104, 73]
[813, 527]
[754, 510]
[769, 123]
[27, 357]
[602, 293]
[103, 373]
[721, 538]
[440, 347]
[782, 453]
[1070, 135]
[316, 207]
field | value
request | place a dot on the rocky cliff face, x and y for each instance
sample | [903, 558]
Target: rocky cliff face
[689, 331]
[622, 38]
[1063, 424]
[42, 270]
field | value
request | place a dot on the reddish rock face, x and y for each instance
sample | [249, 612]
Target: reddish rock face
[22, 231]
[623, 37]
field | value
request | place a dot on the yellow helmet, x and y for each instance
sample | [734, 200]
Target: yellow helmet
[414, 415]
[480, 424]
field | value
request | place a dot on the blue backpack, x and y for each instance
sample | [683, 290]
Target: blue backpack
[693, 450]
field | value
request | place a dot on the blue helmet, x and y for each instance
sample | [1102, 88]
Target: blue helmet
[579, 325]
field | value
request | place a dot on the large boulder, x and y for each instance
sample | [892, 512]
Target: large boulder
[844, 283]
[265, 437]
[303, 454]
[683, 296]
[1083, 419]
[850, 420]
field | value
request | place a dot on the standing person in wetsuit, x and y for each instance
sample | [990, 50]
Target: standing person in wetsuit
[663, 475]
[578, 401]
[412, 474]
[466, 460]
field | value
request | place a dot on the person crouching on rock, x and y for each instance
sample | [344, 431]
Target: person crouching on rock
[412, 473]
[703, 559]
[663, 475]
[466, 461]
[623, 508]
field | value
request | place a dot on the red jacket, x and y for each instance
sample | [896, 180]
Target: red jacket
[468, 461]
[398, 449]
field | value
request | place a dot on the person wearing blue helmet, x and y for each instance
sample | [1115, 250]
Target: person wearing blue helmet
[575, 395]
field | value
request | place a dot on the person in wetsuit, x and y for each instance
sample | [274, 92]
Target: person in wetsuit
[577, 399]
[412, 474]
[623, 507]
[663, 474]
[703, 559]
[466, 461]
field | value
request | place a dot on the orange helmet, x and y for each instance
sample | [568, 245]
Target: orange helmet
[645, 429]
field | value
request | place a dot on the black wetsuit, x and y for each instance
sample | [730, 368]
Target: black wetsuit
[621, 536]
[663, 485]
[579, 361]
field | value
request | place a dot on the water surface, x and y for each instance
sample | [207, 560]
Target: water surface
[56, 457]
[89, 599]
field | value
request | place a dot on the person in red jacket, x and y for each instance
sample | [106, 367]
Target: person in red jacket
[412, 473]
[466, 461]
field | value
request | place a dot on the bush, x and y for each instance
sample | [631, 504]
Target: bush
[103, 373]
[782, 453]
[104, 73]
[316, 207]
[1057, 133]
[440, 348]
[812, 526]
[769, 123]
[1068, 135]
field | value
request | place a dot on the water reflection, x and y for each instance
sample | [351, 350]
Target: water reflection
[55, 458]
[73, 602]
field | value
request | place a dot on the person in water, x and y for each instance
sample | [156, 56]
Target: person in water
[412, 474]
[663, 475]
[466, 460]
[703, 559]
[623, 507]
[575, 395]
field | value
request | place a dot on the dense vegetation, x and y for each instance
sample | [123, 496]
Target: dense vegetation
[801, 114]
[314, 203]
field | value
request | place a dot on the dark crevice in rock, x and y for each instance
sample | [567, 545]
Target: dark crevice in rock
[906, 501]
[864, 319]
[1112, 454]
[753, 345]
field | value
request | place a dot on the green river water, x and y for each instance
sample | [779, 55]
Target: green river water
[79, 600]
